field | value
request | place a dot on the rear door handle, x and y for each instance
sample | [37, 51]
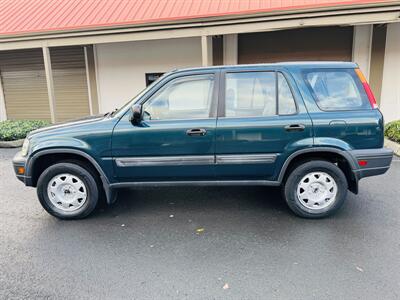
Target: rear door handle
[295, 127]
[337, 122]
[196, 132]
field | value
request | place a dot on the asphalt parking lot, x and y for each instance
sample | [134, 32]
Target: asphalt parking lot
[201, 243]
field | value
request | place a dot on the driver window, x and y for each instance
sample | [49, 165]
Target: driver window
[182, 98]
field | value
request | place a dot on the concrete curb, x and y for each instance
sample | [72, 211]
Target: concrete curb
[11, 144]
[393, 145]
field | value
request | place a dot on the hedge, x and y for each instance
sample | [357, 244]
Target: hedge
[392, 131]
[15, 130]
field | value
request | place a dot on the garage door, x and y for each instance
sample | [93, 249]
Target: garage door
[24, 84]
[322, 43]
[70, 82]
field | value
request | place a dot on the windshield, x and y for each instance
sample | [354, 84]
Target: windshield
[136, 98]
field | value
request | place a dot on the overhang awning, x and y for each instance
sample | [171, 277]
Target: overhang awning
[28, 24]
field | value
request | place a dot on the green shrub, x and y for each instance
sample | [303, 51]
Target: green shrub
[392, 131]
[15, 130]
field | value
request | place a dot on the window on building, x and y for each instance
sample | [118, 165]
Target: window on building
[182, 98]
[151, 77]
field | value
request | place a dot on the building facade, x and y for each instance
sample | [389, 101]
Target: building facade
[64, 62]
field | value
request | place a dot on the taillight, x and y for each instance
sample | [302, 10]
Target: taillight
[362, 163]
[367, 88]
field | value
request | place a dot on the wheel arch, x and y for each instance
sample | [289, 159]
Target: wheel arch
[36, 164]
[344, 160]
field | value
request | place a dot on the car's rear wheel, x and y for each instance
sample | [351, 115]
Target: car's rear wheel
[315, 189]
[68, 191]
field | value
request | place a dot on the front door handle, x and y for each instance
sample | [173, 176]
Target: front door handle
[295, 127]
[196, 132]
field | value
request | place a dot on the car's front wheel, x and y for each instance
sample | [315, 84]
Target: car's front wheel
[67, 191]
[315, 189]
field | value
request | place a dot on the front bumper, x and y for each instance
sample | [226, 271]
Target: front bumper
[371, 162]
[18, 162]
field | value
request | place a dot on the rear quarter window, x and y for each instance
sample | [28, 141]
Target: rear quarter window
[336, 89]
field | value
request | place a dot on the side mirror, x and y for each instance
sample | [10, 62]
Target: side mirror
[137, 114]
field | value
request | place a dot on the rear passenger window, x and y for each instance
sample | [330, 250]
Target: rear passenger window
[287, 106]
[337, 89]
[250, 94]
[253, 94]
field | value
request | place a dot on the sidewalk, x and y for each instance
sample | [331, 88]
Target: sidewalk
[393, 145]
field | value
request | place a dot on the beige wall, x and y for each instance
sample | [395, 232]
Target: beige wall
[121, 67]
[390, 97]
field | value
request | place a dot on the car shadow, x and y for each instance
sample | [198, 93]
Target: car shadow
[224, 211]
[192, 199]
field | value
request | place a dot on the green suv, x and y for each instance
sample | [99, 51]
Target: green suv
[312, 128]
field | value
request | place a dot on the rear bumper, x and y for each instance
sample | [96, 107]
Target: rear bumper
[18, 162]
[371, 162]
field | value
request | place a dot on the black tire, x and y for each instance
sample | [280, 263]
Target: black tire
[84, 175]
[297, 174]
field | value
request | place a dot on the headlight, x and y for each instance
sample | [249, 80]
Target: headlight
[25, 148]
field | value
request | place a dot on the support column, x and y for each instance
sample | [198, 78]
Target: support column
[91, 80]
[230, 46]
[50, 83]
[96, 81]
[206, 50]
[3, 112]
[390, 97]
[362, 41]
[85, 49]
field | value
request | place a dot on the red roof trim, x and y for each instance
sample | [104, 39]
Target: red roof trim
[18, 17]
